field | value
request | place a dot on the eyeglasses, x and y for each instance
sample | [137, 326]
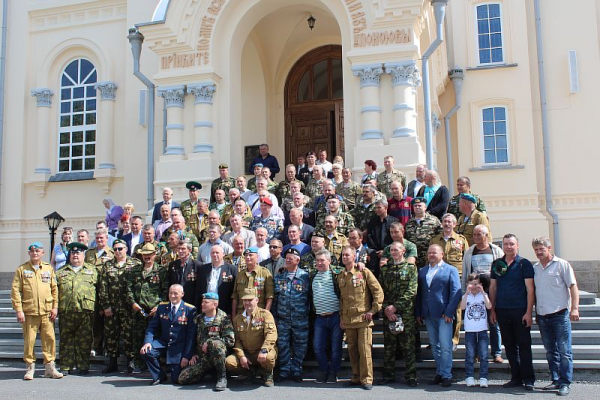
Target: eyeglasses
[118, 248]
[274, 247]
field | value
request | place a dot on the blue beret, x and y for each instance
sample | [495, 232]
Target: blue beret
[35, 245]
[468, 197]
[258, 165]
[252, 249]
[210, 296]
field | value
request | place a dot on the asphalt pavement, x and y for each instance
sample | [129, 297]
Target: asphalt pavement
[120, 386]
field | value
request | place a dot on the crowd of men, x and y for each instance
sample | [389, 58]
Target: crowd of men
[262, 273]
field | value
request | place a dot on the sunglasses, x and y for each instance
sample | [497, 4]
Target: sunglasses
[274, 247]
[118, 248]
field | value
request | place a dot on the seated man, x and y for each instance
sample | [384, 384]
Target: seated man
[170, 334]
[214, 335]
[255, 338]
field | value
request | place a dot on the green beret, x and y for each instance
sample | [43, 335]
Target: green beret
[76, 247]
[119, 241]
[223, 166]
[418, 200]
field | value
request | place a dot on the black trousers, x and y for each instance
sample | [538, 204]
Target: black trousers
[517, 344]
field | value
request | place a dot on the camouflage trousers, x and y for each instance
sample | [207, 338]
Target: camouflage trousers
[214, 358]
[75, 339]
[292, 345]
[117, 327]
[98, 329]
[138, 326]
[406, 341]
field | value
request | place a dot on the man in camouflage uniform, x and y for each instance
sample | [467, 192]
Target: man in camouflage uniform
[224, 181]
[348, 189]
[219, 204]
[271, 185]
[388, 176]
[238, 207]
[77, 282]
[117, 316]
[183, 232]
[399, 282]
[257, 174]
[320, 203]
[146, 286]
[291, 309]
[148, 235]
[334, 241]
[463, 185]
[214, 336]
[315, 186]
[237, 257]
[253, 277]
[455, 246]
[213, 218]
[171, 254]
[421, 228]
[365, 209]
[317, 243]
[345, 222]
[471, 217]
[287, 203]
[284, 190]
[97, 256]
[190, 208]
[397, 234]
[255, 338]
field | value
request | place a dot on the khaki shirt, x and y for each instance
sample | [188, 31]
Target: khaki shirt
[34, 292]
[259, 279]
[336, 244]
[258, 333]
[466, 225]
[454, 249]
[360, 292]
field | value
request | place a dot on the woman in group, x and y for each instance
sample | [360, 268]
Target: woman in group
[336, 170]
[59, 253]
[113, 215]
[124, 226]
[370, 171]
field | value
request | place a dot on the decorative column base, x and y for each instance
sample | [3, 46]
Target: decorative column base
[104, 177]
[39, 181]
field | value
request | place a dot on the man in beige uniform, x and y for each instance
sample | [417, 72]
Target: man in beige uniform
[255, 338]
[361, 297]
[34, 297]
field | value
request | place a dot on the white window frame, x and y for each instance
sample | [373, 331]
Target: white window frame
[71, 129]
[502, 34]
[507, 120]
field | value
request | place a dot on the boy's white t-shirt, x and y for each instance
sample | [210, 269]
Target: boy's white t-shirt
[475, 319]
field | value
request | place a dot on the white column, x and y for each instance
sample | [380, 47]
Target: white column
[370, 97]
[174, 96]
[405, 79]
[203, 109]
[106, 129]
[44, 104]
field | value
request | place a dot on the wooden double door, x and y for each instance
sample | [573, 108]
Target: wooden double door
[314, 105]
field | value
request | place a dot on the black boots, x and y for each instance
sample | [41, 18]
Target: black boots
[112, 366]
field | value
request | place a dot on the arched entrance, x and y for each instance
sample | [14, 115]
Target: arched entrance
[314, 105]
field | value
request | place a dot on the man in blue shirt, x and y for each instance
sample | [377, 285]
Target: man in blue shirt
[266, 160]
[512, 295]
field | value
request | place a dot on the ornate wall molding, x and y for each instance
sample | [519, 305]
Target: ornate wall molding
[203, 92]
[43, 96]
[77, 15]
[107, 90]
[173, 95]
[369, 74]
[406, 74]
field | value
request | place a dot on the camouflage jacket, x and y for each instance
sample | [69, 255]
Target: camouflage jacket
[466, 225]
[399, 283]
[239, 262]
[192, 219]
[77, 290]
[345, 222]
[314, 188]
[224, 184]
[410, 250]
[215, 207]
[273, 225]
[91, 257]
[228, 213]
[168, 258]
[147, 289]
[112, 281]
[385, 179]
[362, 215]
[219, 329]
[252, 184]
[453, 205]
[291, 295]
[350, 192]
[420, 233]
[186, 234]
[335, 244]
[283, 189]
[308, 262]
[161, 250]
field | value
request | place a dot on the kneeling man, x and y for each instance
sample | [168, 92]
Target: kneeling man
[170, 334]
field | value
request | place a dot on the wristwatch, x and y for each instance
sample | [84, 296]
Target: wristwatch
[264, 351]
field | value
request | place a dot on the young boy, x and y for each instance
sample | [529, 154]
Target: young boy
[476, 304]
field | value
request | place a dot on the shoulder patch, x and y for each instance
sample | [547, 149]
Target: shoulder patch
[189, 305]
[164, 302]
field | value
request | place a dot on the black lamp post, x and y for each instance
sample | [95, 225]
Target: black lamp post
[311, 22]
[53, 221]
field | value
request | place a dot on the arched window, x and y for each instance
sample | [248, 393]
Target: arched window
[77, 131]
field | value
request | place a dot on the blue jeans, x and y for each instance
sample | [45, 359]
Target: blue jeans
[328, 329]
[440, 338]
[476, 343]
[556, 335]
[495, 339]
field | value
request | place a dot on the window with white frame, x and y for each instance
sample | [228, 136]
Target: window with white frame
[77, 131]
[495, 141]
[489, 33]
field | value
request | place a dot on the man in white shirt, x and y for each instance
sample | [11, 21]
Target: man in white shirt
[322, 161]
[165, 221]
[214, 238]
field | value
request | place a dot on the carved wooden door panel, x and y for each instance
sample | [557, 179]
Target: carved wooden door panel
[339, 130]
[309, 131]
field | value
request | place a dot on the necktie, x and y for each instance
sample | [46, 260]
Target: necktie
[172, 313]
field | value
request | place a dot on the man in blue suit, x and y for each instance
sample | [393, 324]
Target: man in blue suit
[438, 295]
[170, 334]
[167, 195]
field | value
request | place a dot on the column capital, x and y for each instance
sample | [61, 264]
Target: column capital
[107, 90]
[203, 92]
[43, 96]
[173, 95]
[368, 74]
[404, 73]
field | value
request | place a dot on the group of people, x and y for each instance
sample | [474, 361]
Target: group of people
[263, 271]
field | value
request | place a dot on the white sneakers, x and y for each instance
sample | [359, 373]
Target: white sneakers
[29, 372]
[51, 371]
[470, 381]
